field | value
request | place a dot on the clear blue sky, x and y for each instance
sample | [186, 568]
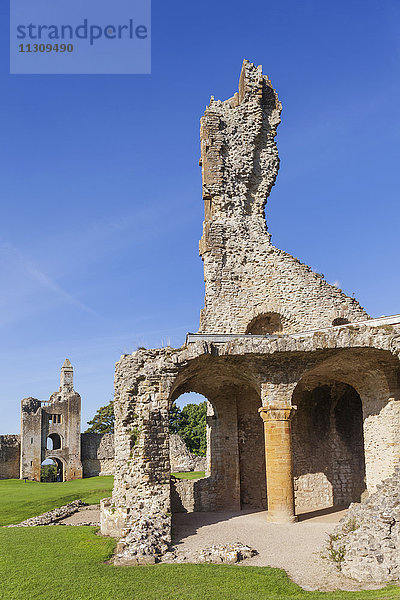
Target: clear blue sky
[101, 208]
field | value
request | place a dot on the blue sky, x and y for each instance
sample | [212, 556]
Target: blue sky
[100, 189]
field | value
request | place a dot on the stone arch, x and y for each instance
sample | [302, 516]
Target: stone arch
[54, 441]
[340, 321]
[265, 324]
[328, 445]
[60, 467]
[366, 378]
[235, 472]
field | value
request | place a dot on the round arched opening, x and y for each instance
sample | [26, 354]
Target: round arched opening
[235, 474]
[52, 470]
[265, 324]
[188, 435]
[340, 321]
[54, 442]
[328, 445]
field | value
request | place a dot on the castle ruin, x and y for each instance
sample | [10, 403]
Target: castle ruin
[303, 387]
[51, 431]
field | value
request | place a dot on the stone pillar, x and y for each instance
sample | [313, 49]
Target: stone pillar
[277, 416]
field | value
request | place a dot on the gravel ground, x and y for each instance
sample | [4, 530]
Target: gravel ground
[87, 515]
[296, 548]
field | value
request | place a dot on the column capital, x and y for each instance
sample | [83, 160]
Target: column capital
[277, 413]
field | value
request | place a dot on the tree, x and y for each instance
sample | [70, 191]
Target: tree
[190, 423]
[103, 420]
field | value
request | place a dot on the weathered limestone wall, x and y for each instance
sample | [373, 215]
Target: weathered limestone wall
[181, 459]
[245, 275]
[253, 488]
[140, 505]
[10, 449]
[196, 495]
[229, 375]
[97, 454]
[366, 543]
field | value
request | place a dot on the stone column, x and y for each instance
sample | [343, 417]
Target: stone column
[277, 416]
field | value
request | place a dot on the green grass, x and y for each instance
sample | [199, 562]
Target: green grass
[189, 475]
[67, 563]
[20, 500]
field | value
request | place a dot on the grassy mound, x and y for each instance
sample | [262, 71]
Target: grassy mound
[20, 500]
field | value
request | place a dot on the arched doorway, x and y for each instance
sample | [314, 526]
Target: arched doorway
[188, 435]
[235, 472]
[52, 470]
[328, 445]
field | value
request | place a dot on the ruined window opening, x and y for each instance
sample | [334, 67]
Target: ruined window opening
[31, 440]
[265, 324]
[55, 419]
[54, 442]
[340, 321]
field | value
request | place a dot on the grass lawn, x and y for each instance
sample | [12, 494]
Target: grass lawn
[189, 475]
[20, 500]
[67, 563]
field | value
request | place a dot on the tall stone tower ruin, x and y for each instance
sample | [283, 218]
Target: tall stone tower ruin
[251, 286]
[52, 430]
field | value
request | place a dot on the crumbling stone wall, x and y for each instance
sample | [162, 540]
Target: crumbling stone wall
[181, 459]
[246, 277]
[97, 454]
[252, 288]
[148, 381]
[10, 448]
[366, 543]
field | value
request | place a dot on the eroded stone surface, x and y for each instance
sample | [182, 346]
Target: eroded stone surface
[252, 286]
[366, 543]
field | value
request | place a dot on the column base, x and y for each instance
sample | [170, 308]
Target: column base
[280, 518]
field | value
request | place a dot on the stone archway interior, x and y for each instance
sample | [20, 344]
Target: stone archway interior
[235, 472]
[328, 446]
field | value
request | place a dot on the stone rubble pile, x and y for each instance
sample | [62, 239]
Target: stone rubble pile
[52, 517]
[366, 543]
[147, 540]
[227, 553]
[219, 553]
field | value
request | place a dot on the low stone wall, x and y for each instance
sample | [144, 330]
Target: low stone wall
[193, 495]
[97, 454]
[10, 449]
